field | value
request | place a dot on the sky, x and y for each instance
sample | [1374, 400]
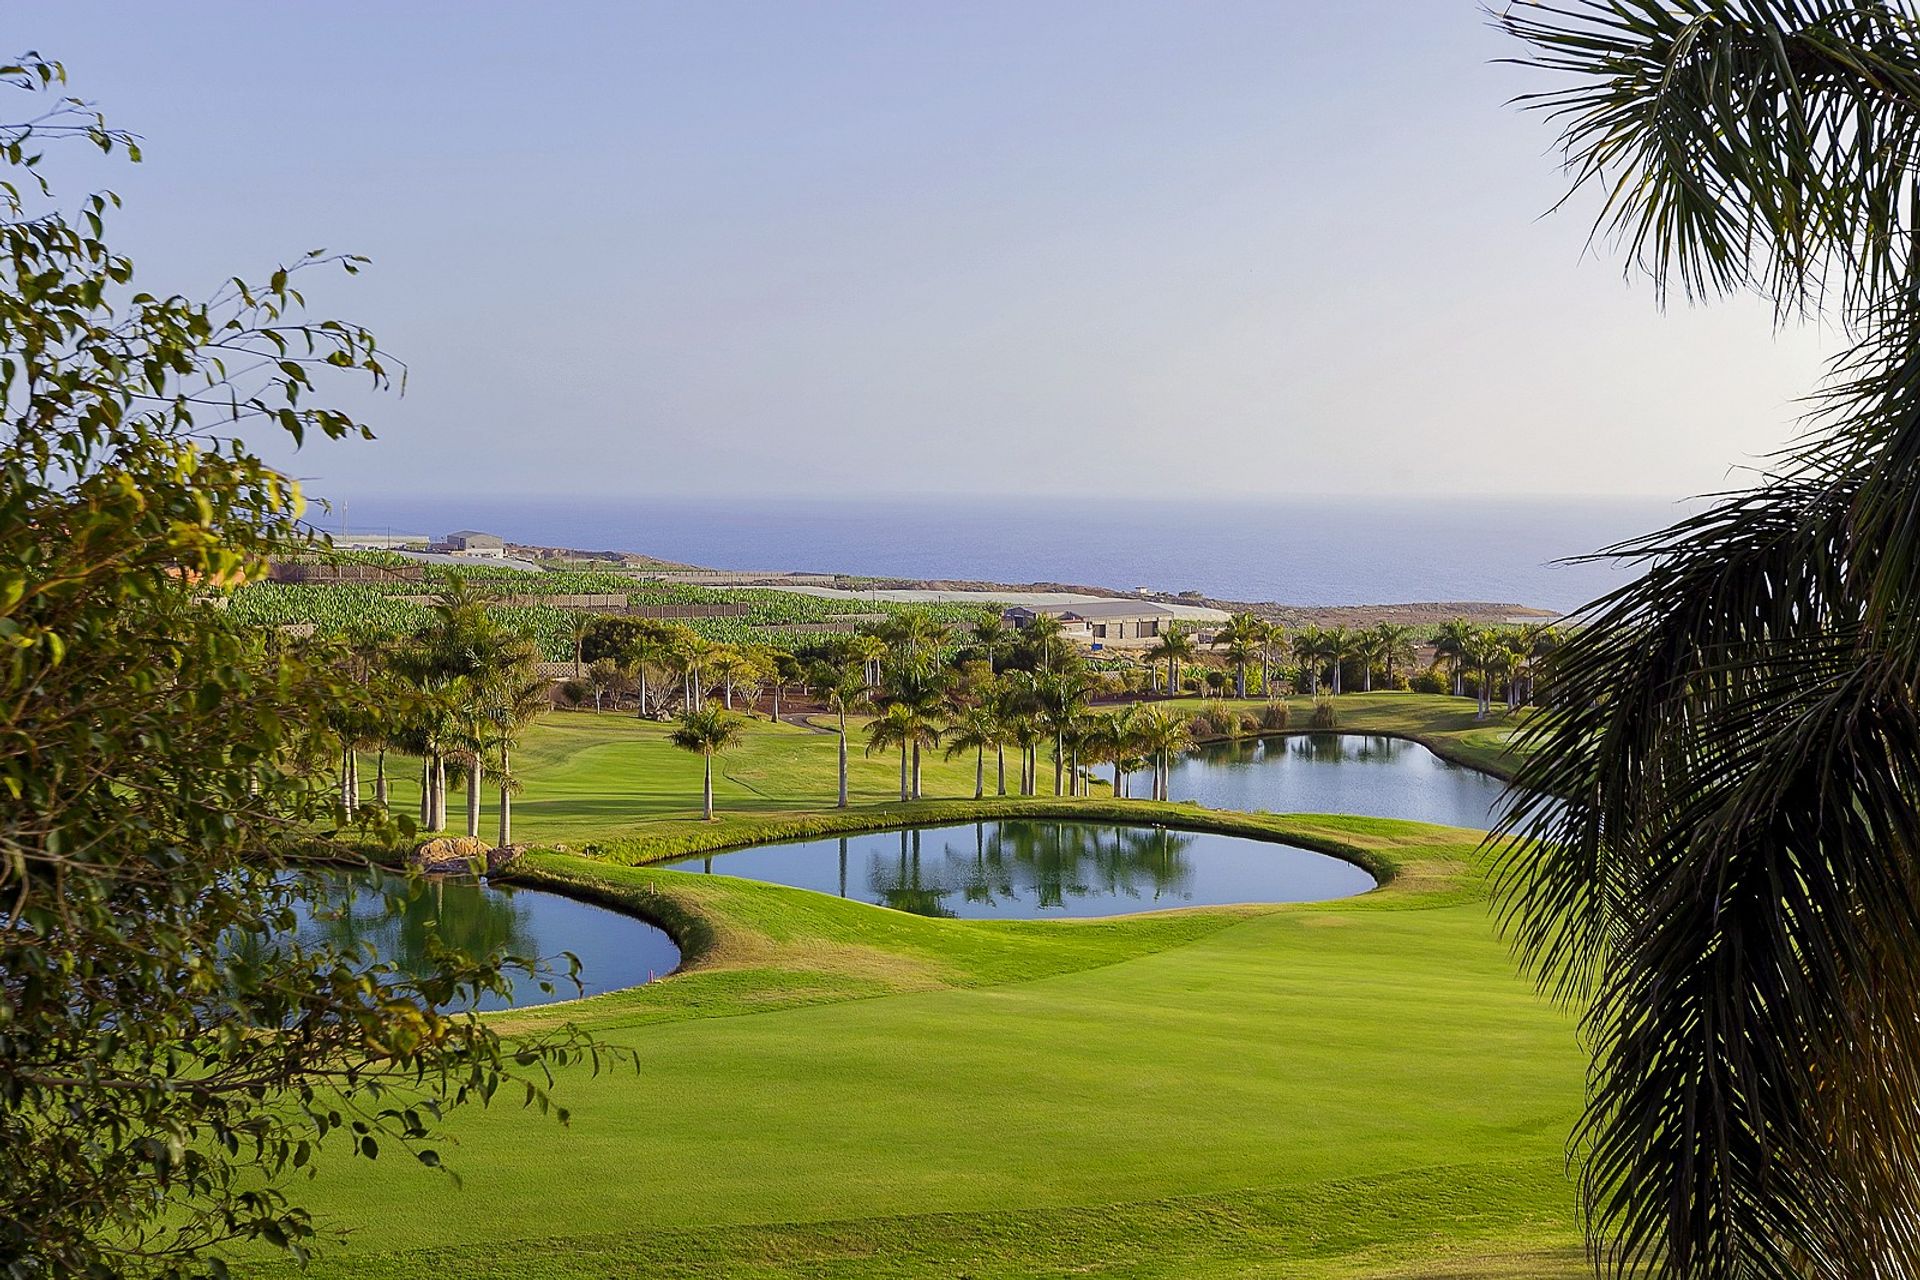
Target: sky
[1188, 248]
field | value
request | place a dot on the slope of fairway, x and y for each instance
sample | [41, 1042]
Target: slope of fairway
[1321, 1090]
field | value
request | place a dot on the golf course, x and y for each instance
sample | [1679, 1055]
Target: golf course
[1362, 1087]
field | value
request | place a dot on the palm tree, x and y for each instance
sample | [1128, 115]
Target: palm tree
[1721, 788]
[1336, 646]
[1162, 733]
[1173, 648]
[1450, 646]
[1367, 651]
[691, 654]
[1041, 645]
[731, 665]
[845, 690]
[1118, 740]
[988, 640]
[650, 648]
[1063, 698]
[783, 668]
[1309, 650]
[512, 703]
[1018, 703]
[1536, 643]
[909, 728]
[707, 732]
[1244, 638]
[1271, 636]
[579, 627]
[869, 651]
[1487, 654]
[1395, 646]
[976, 729]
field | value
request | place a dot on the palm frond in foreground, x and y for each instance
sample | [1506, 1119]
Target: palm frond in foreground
[1722, 793]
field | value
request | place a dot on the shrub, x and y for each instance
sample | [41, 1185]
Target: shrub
[573, 693]
[1273, 716]
[1430, 682]
[1324, 716]
[1250, 724]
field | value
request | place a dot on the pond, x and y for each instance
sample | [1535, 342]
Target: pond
[1359, 773]
[1025, 869]
[615, 950]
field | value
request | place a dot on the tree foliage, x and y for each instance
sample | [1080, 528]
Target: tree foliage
[169, 1054]
[1723, 784]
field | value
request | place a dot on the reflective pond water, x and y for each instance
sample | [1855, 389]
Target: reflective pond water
[1026, 869]
[615, 950]
[1332, 773]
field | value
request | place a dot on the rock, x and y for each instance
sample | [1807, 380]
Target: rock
[450, 855]
[497, 859]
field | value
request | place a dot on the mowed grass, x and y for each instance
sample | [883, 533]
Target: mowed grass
[1359, 1088]
[1352, 1089]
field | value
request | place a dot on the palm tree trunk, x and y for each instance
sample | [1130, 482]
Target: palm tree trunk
[643, 691]
[916, 771]
[380, 778]
[439, 792]
[1000, 764]
[1366, 680]
[506, 800]
[426, 792]
[347, 789]
[980, 772]
[1119, 789]
[1059, 763]
[706, 788]
[1240, 681]
[843, 758]
[904, 794]
[473, 797]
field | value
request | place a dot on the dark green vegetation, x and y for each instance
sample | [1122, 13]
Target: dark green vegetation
[159, 1052]
[766, 616]
[1734, 879]
[834, 1089]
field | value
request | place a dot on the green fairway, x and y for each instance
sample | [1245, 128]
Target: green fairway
[608, 778]
[836, 1090]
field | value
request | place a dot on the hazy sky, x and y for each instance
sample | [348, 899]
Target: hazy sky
[956, 247]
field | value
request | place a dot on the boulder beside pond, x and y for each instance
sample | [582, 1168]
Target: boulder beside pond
[450, 855]
[462, 855]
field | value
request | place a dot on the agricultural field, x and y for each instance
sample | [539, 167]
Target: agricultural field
[772, 617]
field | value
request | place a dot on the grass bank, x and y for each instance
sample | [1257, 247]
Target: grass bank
[836, 1090]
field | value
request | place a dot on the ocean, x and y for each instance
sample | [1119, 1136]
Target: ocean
[1296, 550]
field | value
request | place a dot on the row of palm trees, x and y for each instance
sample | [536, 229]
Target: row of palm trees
[1509, 657]
[1323, 657]
[457, 693]
[669, 666]
[982, 690]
